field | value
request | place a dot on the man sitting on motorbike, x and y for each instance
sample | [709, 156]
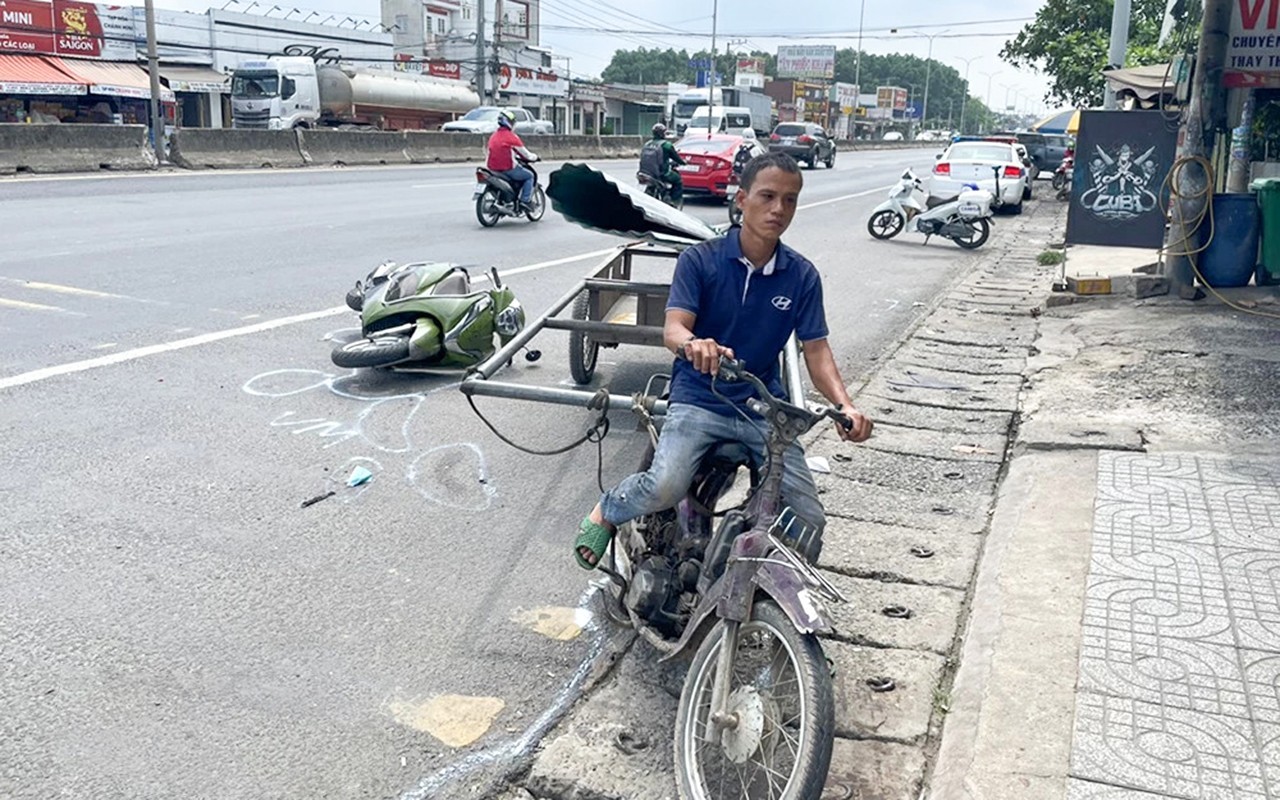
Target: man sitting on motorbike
[740, 296]
[656, 158]
[504, 146]
[746, 151]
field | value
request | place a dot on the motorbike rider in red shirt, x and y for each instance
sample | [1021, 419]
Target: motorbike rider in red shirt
[505, 152]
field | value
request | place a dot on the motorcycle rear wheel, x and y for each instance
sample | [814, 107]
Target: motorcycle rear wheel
[373, 351]
[487, 208]
[885, 224]
[1059, 180]
[537, 206]
[735, 213]
[983, 229]
[782, 696]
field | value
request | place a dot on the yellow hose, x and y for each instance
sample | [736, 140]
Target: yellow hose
[1171, 184]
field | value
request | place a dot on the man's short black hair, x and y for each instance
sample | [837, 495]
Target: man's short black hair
[782, 161]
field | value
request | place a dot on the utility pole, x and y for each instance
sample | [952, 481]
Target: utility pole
[481, 68]
[153, 66]
[497, 47]
[711, 79]
[1119, 44]
[857, 59]
[1192, 182]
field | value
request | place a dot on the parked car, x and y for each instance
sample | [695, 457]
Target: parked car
[710, 162]
[484, 119]
[804, 141]
[972, 162]
[1046, 149]
[892, 136]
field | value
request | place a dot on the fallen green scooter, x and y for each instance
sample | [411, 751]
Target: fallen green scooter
[428, 315]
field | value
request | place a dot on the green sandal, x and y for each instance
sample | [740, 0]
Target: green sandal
[595, 538]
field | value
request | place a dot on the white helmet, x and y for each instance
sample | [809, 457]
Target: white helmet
[749, 134]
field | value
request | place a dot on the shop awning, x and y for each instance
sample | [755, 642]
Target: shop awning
[195, 79]
[114, 78]
[34, 75]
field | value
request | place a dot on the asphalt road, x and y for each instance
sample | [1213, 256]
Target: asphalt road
[173, 622]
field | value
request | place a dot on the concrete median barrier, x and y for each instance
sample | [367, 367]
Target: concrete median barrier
[324, 148]
[73, 148]
[584, 147]
[207, 148]
[430, 147]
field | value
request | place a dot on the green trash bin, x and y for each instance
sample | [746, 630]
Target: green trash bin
[1268, 190]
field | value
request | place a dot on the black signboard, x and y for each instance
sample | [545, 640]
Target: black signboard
[1117, 192]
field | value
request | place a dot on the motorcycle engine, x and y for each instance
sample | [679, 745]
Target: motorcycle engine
[956, 230]
[929, 226]
[654, 593]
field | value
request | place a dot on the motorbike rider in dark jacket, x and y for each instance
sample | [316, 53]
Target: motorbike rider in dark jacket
[656, 159]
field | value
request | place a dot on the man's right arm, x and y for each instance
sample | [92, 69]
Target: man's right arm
[672, 153]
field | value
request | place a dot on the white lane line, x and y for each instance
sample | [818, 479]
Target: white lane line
[61, 289]
[168, 347]
[846, 197]
[207, 338]
[4, 301]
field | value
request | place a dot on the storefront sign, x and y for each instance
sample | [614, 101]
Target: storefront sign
[67, 28]
[94, 31]
[845, 96]
[1122, 158]
[807, 61]
[11, 87]
[26, 27]
[526, 80]
[1253, 49]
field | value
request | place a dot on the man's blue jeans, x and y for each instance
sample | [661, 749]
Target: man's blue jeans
[523, 178]
[687, 433]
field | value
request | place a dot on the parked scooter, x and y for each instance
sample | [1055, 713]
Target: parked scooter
[496, 198]
[428, 315]
[964, 220]
[1063, 175]
[756, 712]
[659, 188]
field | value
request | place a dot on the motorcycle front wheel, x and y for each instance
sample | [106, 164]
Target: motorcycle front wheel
[980, 231]
[735, 213]
[374, 351]
[487, 208]
[537, 206]
[1059, 180]
[885, 224]
[780, 694]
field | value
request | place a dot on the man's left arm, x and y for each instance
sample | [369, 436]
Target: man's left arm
[821, 364]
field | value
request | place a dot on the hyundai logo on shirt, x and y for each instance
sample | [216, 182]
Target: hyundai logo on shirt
[782, 303]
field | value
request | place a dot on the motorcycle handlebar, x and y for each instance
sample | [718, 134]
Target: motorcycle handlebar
[732, 369]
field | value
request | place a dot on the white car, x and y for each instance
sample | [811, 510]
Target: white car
[485, 120]
[975, 162]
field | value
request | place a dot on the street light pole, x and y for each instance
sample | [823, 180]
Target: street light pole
[965, 98]
[928, 68]
[857, 59]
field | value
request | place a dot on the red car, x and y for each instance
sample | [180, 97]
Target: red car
[710, 162]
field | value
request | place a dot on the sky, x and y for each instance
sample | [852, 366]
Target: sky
[970, 29]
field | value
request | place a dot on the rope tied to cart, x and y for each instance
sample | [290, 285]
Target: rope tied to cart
[595, 432]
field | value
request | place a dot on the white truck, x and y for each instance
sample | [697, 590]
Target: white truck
[758, 103]
[707, 120]
[689, 102]
[285, 92]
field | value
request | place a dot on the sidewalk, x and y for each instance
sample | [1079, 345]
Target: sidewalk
[1124, 637]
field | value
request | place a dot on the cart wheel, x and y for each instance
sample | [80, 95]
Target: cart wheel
[582, 351]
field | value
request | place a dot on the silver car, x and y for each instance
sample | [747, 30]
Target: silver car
[485, 120]
[976, 162]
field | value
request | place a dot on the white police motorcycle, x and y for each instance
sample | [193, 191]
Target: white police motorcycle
[965, 220]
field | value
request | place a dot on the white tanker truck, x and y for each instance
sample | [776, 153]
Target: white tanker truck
[284, 92]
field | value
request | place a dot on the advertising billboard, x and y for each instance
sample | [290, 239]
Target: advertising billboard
[1253, 48]
[67, 28]
[26, 27]
[807, 61]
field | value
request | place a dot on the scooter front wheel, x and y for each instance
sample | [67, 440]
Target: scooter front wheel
[487, 208]
[885, 224]
[374, 351]
[980, 231]
[537, 206]
[780, 695]
[1059, 180]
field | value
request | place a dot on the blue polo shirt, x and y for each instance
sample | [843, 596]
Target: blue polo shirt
[753, 311]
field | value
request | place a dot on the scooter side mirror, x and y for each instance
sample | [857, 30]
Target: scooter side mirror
[493, 275]
[938, 157]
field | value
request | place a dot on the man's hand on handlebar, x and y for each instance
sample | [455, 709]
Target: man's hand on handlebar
[855, 427]
[705, 354]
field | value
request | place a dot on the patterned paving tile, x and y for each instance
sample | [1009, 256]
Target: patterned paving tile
[1262, 679]
[1165, 750]
[1184, 673]
[1176, 591]
[1252, 579]
[1244, 515]
[1085, 790]
[1268, 735]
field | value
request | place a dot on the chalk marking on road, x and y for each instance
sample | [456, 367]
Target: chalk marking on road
[4, 301]
[104, 346]
[61, 289]
[168, 347]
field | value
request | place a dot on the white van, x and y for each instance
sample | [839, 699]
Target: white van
[720, 119]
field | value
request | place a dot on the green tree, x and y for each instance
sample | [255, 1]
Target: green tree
[1069, 42]
[648, 66]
